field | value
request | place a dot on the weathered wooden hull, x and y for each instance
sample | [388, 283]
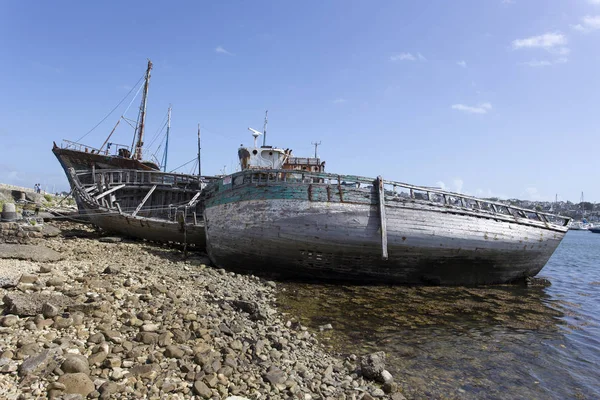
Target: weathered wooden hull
[79, 160]
[141, 204]
[276, 229]
[153, 229]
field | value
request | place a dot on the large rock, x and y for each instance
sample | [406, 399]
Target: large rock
[97, 358]
[145, 371]
[62, 322]
[275, 376]
[50, 310]
[49, 230]
[372, 365]
[147, 337]
[75, 363]
[9, 281]
[251, 307]
[9, 320]
[202, 390]
[29, 252]
[77, 383]
[32, 303]
[40, 364]
[107, 389]
[174, 352]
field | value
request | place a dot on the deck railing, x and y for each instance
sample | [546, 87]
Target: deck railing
[114, 177]
[67, 144]
[395, 191]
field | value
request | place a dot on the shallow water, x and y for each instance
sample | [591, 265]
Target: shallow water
[472, 343]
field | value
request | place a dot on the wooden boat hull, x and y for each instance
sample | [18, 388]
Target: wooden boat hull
[80, 160]
[271, 228]
[142, 204]
[153, 229]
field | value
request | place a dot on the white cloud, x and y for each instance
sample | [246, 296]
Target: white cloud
[456, 187]
[407, 57]
[221, 50]
[403, 57]
[553, 42]
[546, 41]
[339, 100]
[462, 63]
[588, 23]
[482, 108]
[545, 63]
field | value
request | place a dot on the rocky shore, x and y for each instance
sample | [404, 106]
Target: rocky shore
[104, 318]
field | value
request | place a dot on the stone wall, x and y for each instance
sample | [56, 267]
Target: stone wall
[15, 232]
[17, 193]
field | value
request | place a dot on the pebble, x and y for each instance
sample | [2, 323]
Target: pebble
[138, 324]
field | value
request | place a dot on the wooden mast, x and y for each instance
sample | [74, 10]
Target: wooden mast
[166, 152]
[199, 159]
[137, 155]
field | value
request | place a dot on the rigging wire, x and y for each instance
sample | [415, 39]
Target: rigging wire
[193, 170]
[113, 110]
[173, 170]
[157, 134]
[161, 126]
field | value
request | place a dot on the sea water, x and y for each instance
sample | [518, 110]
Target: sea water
[507, 341]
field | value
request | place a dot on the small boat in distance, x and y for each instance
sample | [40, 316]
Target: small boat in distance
[582, 225]
[322, 226]
[83, 157]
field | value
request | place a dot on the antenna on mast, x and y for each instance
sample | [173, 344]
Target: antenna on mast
[255, 134]
[316, 145]
[265, 129]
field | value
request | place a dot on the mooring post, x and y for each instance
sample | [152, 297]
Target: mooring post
[384, 249]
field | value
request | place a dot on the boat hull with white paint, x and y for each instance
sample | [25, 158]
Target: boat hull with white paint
[317, 226]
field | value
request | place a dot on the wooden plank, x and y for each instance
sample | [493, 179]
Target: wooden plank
[109, 191]
[194, 198]
[384, 248]
[139, 207]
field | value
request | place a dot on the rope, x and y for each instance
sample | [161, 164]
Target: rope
[113, 110]
[195, 159]
[156, 136]
[193, 169]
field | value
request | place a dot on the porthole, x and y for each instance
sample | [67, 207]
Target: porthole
[254, 152]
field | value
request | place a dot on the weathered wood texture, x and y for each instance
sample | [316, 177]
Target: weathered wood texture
[139, 210]
[321, 231]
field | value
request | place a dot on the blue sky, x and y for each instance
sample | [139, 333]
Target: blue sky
[487, 97]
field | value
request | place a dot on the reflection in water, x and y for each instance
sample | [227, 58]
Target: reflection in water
[444, 342]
